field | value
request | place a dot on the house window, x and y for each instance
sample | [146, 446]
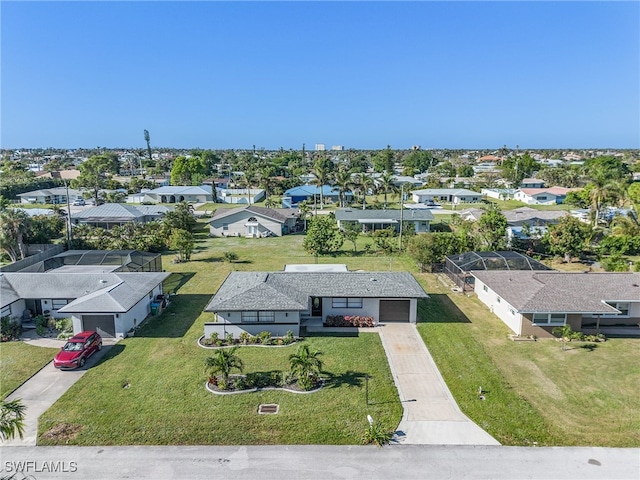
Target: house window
[57, 303]
[541, 197]
[251, 317]
[512, 312]
[549, 318]
[225, 226]
[498, 299]
[6, 311]
[485, 288]
[339, 302]
[622, 306]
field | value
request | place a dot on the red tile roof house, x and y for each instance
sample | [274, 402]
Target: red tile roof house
[534, 302]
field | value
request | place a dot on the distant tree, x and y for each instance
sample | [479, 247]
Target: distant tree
[428, 249]
[322, 177]
[147, 138]
[492, 227]
[344, 183]
[465, 171]
[567, 238]
[365, 184]
[417, 161]
[182, 217]
[188, 171]
[351, 231]
[14, 224]
[322, 236]
[633, 193]
[44, 228]
[182, 241]
[386, 186]
[384, 161]
[305, 209]
[94, 173]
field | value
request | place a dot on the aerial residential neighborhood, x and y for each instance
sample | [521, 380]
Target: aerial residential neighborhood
[320, 240]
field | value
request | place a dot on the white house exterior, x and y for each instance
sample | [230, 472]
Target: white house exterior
[447, 195]
[175, 194]
[534, 302]
[541, 196]
[110, 303]
[277, 302]
[253, 222]
[498, 193]
[56, 196]
[419, 219]
[240, 195]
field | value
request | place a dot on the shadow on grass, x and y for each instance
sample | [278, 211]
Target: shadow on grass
[440, 309]
[110, 353]
[175, 281]
[589, 347]
[349, 378]
[177, 319]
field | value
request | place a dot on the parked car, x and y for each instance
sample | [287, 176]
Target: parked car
[78, 203]
[78, 348]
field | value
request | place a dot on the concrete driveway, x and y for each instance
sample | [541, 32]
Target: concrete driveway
[431, 415]
[43, 389]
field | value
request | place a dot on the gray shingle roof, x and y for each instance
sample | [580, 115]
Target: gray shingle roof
[110, 211]
[277, 214]
[354, 214]
[531, 291]
[291, 290]
[93, 292]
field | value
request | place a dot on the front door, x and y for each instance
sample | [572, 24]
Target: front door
[316, 307]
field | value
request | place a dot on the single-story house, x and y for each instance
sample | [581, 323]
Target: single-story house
[253, 222]
[109, 215]
[534, 302]
[531, 216]
[531, 183]
[176, 194]
[498, 193]
[542, 196]
[311, 194]
[372, 220]
[36, 212]
[56, 196]
[253, 302]
[447, 195]
[240, 195]
[110, 303]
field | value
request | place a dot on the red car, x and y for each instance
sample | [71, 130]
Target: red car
[78, 348]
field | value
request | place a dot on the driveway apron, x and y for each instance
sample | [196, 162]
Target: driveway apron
[431, 415]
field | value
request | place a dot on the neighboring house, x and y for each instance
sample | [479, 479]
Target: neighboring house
[34, 212]
[176, 194]
[498, 193]
[109, 215]
[311, 194]
[533, 303]
[110, 303]
[240, 195]
[56, 196]
[542, 196]
[253, 302]
[254, 222]
[531, 216]
[63, 174]
[531, 183]
[399, 180]
[371, 220]
[447, 195]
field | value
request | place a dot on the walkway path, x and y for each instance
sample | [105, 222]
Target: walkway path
[431, 415]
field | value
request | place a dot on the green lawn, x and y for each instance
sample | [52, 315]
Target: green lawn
[167, 403]
[18, 362]
[587, 395]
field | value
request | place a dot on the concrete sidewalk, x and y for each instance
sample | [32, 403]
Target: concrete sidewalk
[431, 415]
[43, 389]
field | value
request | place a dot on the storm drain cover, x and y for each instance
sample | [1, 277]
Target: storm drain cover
[268, 408]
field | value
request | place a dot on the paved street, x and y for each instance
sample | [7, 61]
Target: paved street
[396, 462]
[431, 414]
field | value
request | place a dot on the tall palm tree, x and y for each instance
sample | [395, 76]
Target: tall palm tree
[602, 191]
[223, 362]
[306, 364]
[343, 182]
[246, 181]
[12, 415]
[322, 178]
[365, 185]
[386, 185]
[304, 208]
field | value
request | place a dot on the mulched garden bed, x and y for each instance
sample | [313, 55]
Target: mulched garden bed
[260, 381]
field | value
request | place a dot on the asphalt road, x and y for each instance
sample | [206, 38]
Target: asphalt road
[320, 462]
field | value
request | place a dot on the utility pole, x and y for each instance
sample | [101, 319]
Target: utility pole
[401, 215]
[66, 186]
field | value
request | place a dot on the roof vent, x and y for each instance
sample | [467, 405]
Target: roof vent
[103, 281]
[373, 279]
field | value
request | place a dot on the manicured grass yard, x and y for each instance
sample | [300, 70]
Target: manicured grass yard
[18, 362]
[166, 402]
[535, 392]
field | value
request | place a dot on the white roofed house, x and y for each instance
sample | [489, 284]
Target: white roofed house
[277, 302]
[110, 303]
[112, 214]
[371, 220]
[56, 196]
[178, 194]
[447, 195]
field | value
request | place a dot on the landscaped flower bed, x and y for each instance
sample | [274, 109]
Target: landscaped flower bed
[348, 321]
[252, 382]
[262, 339]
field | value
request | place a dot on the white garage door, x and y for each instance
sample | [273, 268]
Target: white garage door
[395, 310]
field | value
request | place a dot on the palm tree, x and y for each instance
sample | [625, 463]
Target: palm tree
[246, 182]
[602, 191]
[12, 415]
[223, 362]
[322, 178]
[304, 208]
[343, 182]
[365, 184]
[387, 186]
[13, 226]
[306, 365]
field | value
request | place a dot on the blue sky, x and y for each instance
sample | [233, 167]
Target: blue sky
[357, 74]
